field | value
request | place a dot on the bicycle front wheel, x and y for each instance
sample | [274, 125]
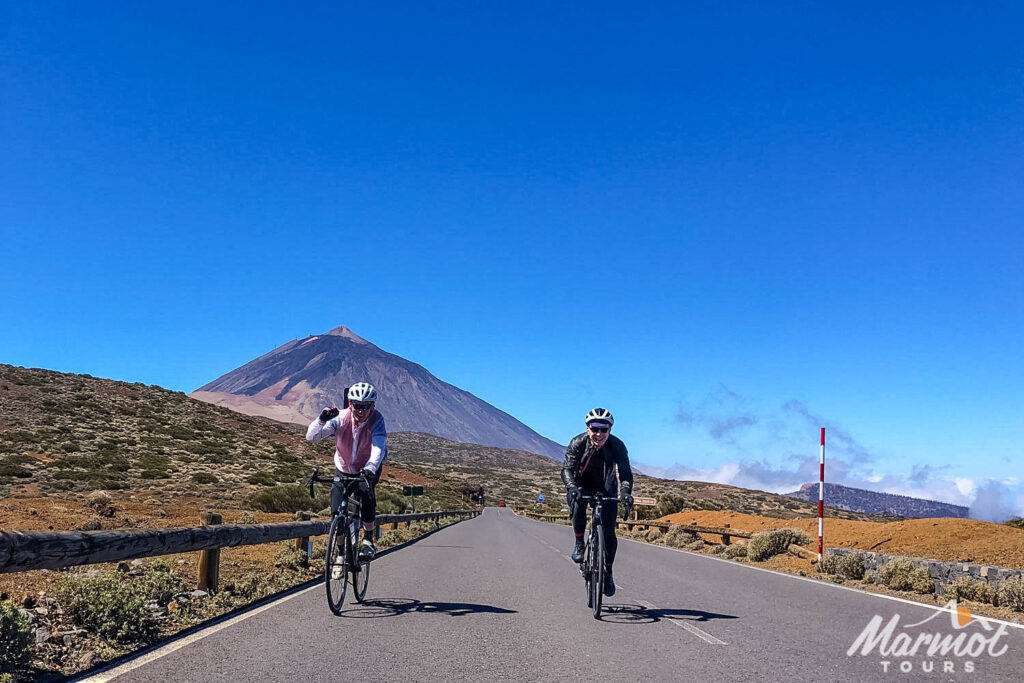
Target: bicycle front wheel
[335, 564]
[597, 584]
[360, 569]
[587, 568]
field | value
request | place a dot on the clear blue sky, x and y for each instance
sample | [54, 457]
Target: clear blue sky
[727, 222]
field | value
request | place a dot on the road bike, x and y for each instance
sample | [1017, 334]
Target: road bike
[593, 565]
[342, 564]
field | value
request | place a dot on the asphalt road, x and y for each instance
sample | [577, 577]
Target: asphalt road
[496, 598]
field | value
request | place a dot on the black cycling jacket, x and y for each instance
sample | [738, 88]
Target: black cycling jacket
[613, 451]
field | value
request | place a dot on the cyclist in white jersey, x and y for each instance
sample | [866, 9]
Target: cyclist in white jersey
[361, 447]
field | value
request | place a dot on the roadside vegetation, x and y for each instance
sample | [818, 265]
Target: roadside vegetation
[90, 615]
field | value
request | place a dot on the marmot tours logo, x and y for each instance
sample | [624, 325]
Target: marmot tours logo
[931, 649]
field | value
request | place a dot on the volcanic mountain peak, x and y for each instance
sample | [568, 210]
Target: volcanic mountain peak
[342, 331]
[296, 380]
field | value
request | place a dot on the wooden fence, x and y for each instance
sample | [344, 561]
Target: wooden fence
[726, 532]
[22, 551]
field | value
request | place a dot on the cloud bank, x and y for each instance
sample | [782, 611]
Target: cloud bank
[731, 421]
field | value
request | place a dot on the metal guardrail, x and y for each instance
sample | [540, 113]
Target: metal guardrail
[726, 532]
[22, 551]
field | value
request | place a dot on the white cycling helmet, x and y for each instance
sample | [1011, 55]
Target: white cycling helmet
[599, 415]
[362, 392]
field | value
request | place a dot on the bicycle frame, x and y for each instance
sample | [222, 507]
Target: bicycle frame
[593, 566]
[342, 541]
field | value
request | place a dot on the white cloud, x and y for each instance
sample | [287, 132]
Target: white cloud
[775, 449]
[993, 502]
[965, 486]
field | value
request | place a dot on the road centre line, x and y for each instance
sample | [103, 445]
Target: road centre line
[684, 624]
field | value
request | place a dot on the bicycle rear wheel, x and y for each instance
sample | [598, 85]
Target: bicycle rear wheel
[597, 582]
[360, 570]
[335, 565]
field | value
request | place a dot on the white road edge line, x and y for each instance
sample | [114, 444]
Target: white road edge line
[682, 623]
[104, 676]
[937, 608]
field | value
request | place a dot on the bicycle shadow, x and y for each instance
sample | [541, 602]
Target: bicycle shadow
[393, 607]
[637, 614]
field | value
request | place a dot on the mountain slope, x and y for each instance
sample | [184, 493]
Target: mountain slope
[63, 434]
[875, 503]
[295, 381]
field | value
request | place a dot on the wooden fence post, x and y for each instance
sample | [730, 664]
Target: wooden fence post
[303, 543]
[209, 560]
[726, 539]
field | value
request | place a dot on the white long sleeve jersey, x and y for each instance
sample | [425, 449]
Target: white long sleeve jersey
[318, 431]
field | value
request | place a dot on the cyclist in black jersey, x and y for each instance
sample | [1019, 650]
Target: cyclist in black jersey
[591, 462]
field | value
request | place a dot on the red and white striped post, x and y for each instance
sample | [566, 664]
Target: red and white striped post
[821, 499]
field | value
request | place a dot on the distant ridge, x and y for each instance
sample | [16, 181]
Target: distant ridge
[295, 381]
[875, 503]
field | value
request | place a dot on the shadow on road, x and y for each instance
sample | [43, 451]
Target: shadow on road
[393, 607]
[636, 614]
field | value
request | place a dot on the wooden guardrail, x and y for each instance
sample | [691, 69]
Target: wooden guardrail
[22, 551]
[726, 532]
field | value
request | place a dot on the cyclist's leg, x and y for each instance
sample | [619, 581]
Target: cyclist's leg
[368, 503]
[368, 513]
[579, 525]
[337, 491]
[609, 511]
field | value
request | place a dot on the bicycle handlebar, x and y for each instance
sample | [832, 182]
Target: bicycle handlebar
[316, 479]
[594, 499]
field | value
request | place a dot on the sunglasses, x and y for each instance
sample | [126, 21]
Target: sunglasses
[361, 406]
[599, 430]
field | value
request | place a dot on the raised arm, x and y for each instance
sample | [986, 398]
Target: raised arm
[324, 426]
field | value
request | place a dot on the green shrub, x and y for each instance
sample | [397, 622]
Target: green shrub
[1011, 593]
[679, 537]
[10, 469]
[98, 500]
[668, 504]
[247, 517]
[849, 566]
[291, 558]
[113, 606]
[262, 479]
[719, 549]
[734, 551]
[390, 501]
[1017, 523]
[286, 498]
[106, 606]
[765, 544]
[14, 639]
[829, 564]
[964, 588]
[654, 536]
[902, 575]
[696, 545]
[204, 478]
[159, 583]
